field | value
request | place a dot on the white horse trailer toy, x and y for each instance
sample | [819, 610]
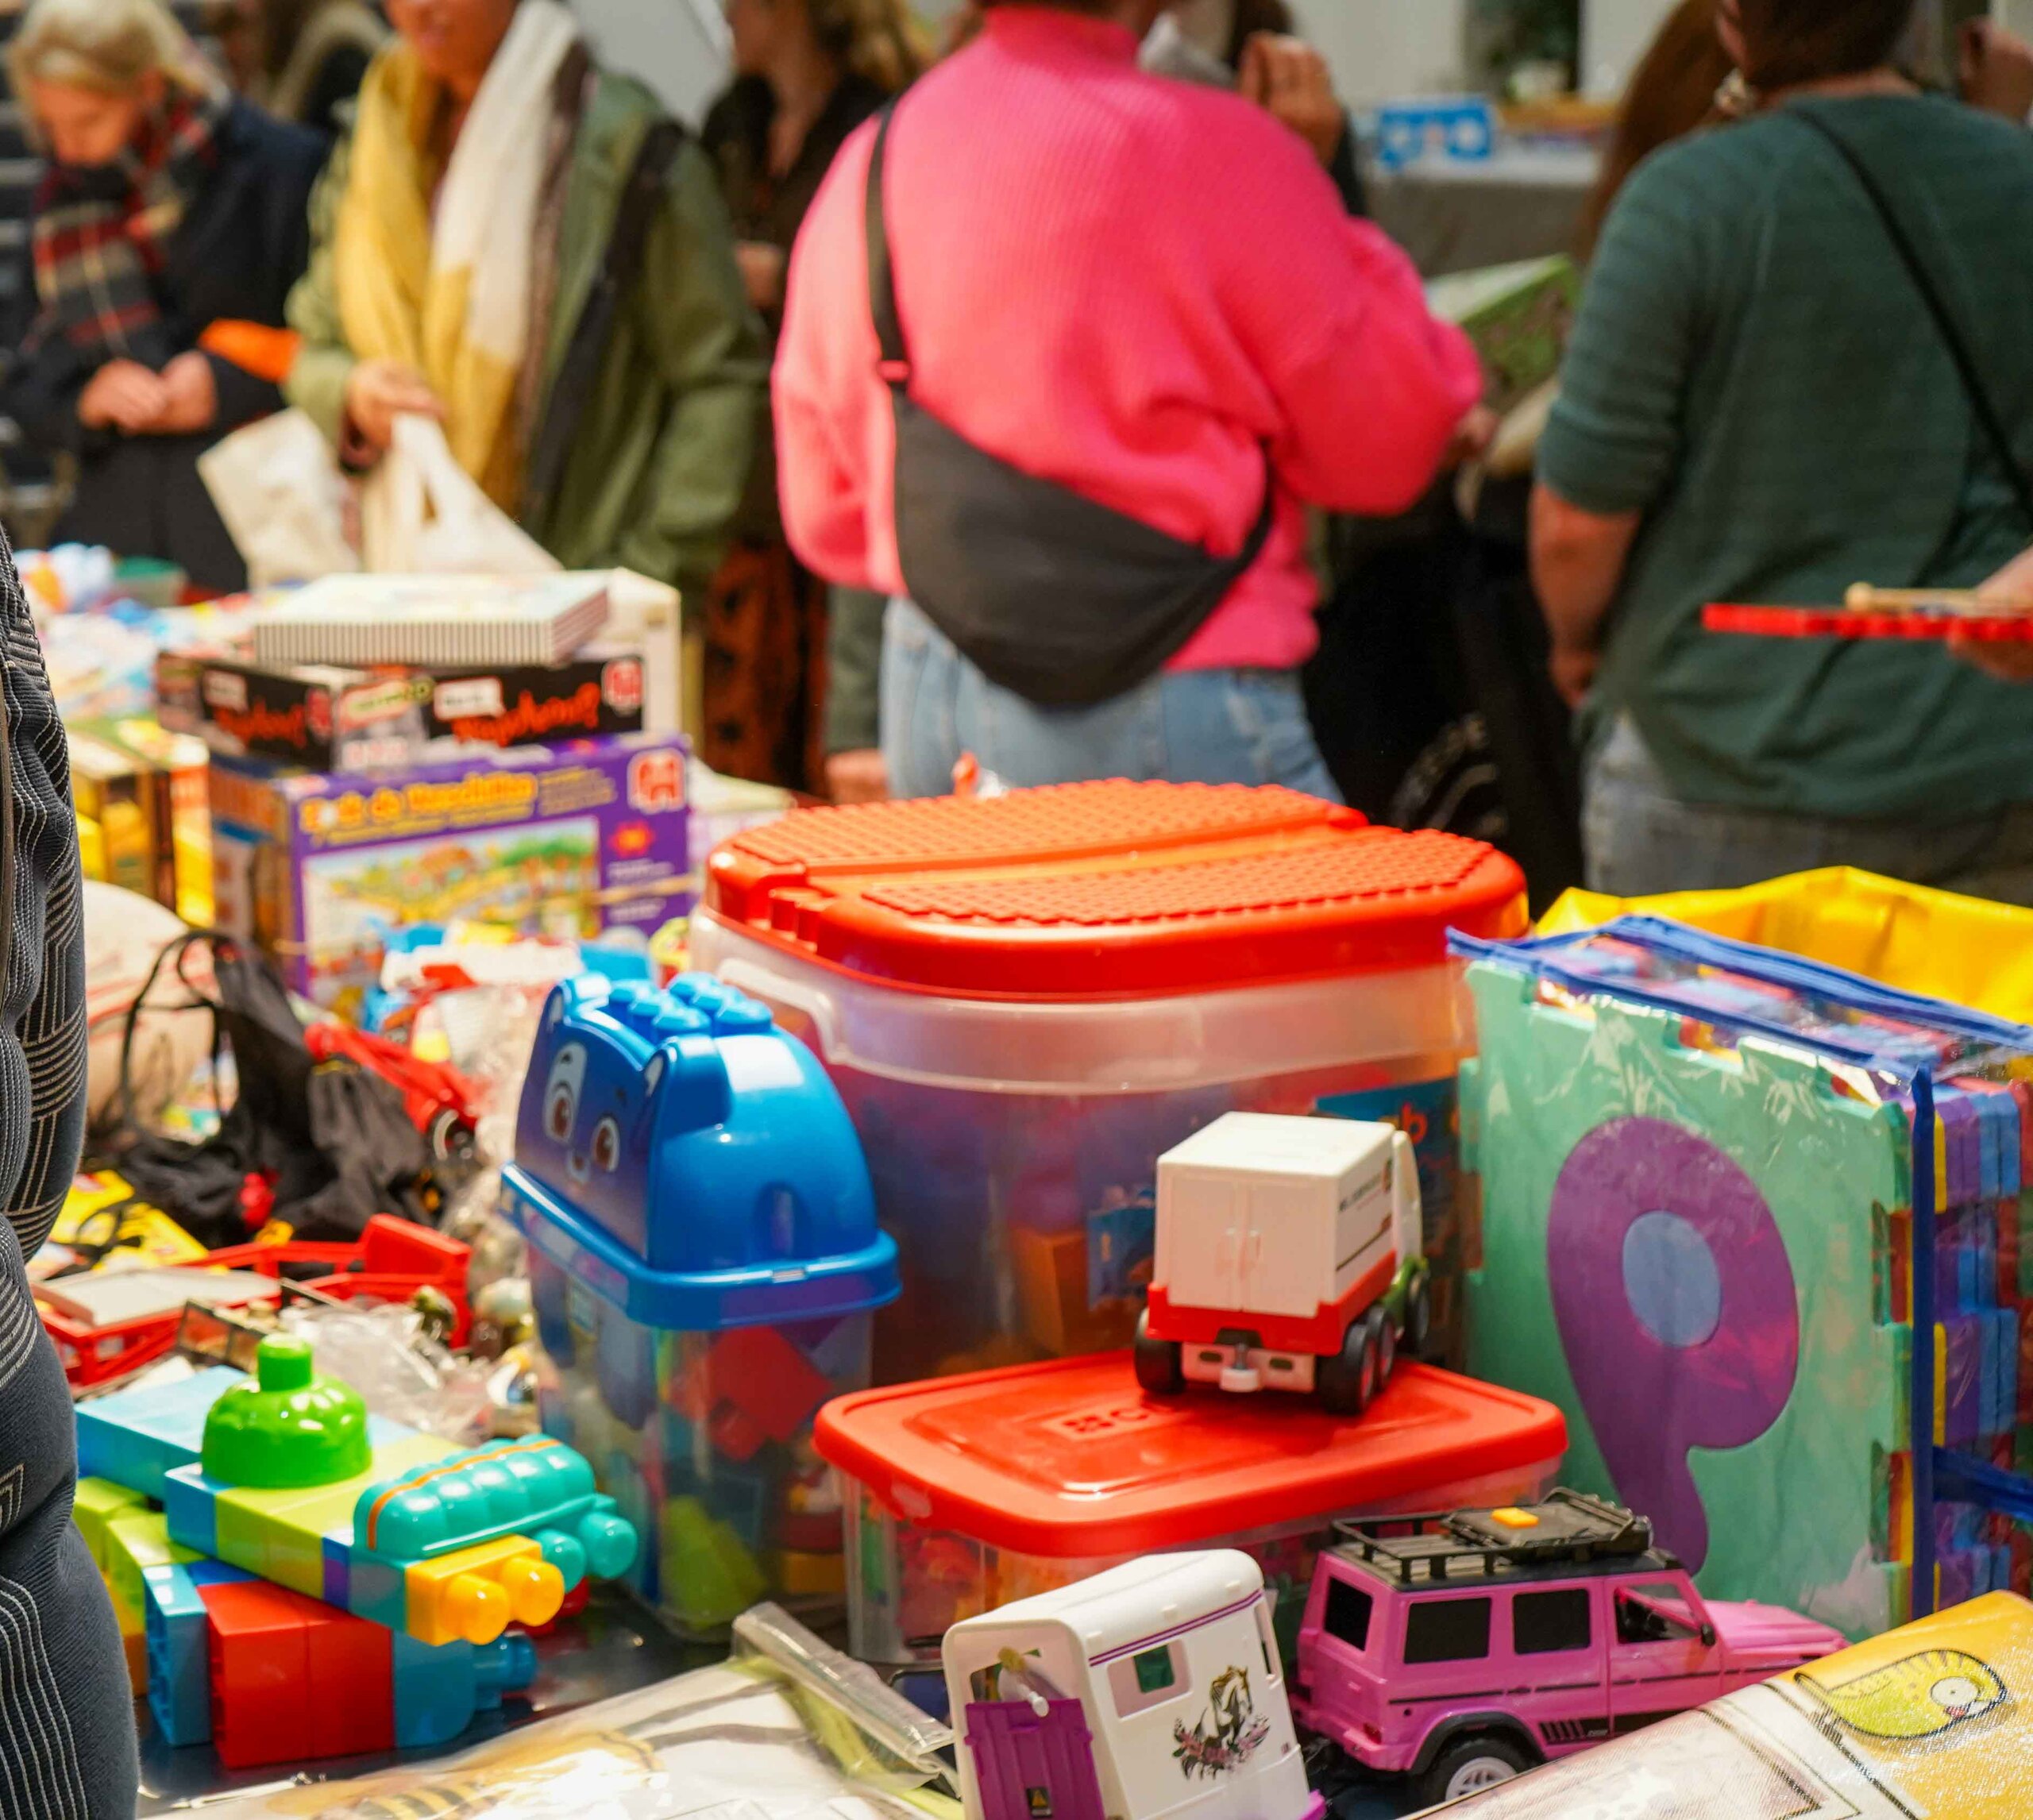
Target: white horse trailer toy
[1150, 1690]
[1290, 1256]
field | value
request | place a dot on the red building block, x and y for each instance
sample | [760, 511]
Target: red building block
[260, 1668]
[353, 1696]
[294, 1679]
[753, 1386]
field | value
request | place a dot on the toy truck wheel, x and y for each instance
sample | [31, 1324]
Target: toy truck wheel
[1386, 1345]
[1347, 1380]
[1160, 1368]
[1470, 1765]
[1418, 1316]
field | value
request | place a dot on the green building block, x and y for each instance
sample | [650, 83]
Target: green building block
[710, 1578]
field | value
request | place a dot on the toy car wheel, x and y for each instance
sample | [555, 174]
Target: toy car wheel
[1158, 1367]
[1470, 1765]
[1347, 1380]
[1418, 1316]
[1386, 1345]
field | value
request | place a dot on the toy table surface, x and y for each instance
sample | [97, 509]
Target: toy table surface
[614, 1648]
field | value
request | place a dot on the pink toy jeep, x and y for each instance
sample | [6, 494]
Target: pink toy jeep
[1462, 1649]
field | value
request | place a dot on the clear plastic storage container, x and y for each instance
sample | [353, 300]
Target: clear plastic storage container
[1025, 1000]
[704, 1261]
[965, 1492]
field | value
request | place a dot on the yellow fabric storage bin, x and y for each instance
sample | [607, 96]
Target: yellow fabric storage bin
[1965, 950]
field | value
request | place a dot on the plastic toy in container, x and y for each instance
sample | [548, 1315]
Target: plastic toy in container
[965, 1492]
[1289, 1257]
[1025, 1000]
[703, 1261]
[1582, 1628]
[1148, 1691]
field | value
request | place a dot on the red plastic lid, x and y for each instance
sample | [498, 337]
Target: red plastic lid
[1071, 1459]
[2002, 628]
[1108, 890]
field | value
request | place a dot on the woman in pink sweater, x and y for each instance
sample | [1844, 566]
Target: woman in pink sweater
[1069, 349]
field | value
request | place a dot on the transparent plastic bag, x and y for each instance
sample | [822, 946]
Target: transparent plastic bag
[727, 1743]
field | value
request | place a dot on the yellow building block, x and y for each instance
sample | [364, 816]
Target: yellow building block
[812, 1576]
[135, 1539]
[476, 1593]
[98, 1501]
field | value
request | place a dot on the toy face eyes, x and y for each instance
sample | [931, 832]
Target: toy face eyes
[607, 1145]
[560, 1091]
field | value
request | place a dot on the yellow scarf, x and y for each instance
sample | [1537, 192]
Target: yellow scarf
[450, 298]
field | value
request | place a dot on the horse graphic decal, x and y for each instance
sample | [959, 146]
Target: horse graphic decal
[1226, 1736]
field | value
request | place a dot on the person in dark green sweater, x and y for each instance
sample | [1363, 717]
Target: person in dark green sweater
[1758, 406]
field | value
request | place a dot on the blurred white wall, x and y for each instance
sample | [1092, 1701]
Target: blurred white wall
[678, 46]
[1380, 48]
[1614, 34]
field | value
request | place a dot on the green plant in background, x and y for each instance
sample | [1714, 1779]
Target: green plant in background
[1509, 34]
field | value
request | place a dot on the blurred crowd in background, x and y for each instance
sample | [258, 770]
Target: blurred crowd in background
[1108, 437]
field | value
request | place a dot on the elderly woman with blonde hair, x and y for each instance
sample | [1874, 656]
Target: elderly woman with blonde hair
[167, 207]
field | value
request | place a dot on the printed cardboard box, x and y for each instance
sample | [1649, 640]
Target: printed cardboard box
[579, 840]
[325, 718]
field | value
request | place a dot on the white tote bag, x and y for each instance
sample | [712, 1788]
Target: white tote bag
[421, 514]
[283, 499]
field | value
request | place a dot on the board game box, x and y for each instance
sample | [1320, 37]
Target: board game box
[327, 719]
[577, 840]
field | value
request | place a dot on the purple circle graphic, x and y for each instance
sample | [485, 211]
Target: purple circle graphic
[1649, 1402]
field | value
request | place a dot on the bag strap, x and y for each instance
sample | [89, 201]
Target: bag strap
[896, 367]
[1951, 335]
[580, 369]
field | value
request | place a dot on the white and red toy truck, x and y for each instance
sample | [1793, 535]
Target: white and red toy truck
[1289, 1256]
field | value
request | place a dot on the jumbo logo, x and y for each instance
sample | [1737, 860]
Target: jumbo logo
[656, 781]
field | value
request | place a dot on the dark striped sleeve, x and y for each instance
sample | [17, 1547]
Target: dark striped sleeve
[66, 1723]
[42, 1009]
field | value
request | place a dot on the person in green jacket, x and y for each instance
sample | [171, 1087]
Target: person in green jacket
[461, 236]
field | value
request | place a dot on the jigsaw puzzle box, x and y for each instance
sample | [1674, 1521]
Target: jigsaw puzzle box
[579, 840]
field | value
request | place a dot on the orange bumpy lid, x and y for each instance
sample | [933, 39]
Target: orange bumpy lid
[1070, 1459]
[1108, 890]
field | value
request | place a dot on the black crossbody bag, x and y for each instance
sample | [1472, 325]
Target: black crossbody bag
[1062, 600]
[1950, 331]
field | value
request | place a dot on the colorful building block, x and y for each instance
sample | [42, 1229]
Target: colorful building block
[438, 1691]
[261, 1674]
[449, 1544]
[136, 1541]
[98, 1500]
[178, 1630]
[137, 1438]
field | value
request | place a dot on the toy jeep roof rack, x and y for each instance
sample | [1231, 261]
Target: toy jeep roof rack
[1568, 1529]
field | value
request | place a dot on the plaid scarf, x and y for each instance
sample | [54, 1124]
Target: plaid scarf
[102, 233]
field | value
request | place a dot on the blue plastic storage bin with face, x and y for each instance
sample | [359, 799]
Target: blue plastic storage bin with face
[704, 1260]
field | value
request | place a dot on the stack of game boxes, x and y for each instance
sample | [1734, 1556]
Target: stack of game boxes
[394, 750]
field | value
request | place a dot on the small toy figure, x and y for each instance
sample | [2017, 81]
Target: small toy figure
[1289, 1256]
[1464, 1649]
[1147, 1691]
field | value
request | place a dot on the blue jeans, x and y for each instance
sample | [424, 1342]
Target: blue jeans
[1191, 726]
[1641, 839]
